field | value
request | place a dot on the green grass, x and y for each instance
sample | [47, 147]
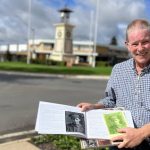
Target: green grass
[37, 68]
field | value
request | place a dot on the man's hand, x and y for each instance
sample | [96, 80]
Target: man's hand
[89, 106]
[85, 106]
[131, 137]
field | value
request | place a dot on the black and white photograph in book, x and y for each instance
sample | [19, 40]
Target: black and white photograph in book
[89, 143]
[75, 122]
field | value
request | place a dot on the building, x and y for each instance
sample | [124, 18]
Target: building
[42, 49]
[63, 47]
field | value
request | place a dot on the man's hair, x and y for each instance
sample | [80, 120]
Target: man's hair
[137, 24]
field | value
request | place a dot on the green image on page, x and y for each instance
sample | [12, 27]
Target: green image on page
[115, 121]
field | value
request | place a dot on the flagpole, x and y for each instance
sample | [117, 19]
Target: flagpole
[29, 33]
[95, 34]
[91, 27]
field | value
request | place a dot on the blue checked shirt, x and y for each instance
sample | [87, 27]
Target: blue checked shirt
[127, 89]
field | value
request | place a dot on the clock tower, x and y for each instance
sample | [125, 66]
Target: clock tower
[63, 50]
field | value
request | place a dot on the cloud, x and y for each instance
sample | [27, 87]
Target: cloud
[112, 13]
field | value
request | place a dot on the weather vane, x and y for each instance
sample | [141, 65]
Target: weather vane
[67, 3]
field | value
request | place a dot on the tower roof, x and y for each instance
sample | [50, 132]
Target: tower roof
[65, 10]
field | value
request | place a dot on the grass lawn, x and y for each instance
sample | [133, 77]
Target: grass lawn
[36, 68]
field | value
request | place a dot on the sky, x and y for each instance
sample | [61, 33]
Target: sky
[113, 17]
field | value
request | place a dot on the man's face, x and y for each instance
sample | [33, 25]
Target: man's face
[77, 120]
[139, 46]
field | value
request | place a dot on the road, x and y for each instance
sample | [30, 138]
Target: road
[20, 95]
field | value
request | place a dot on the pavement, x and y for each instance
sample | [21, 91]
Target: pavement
[24, 143]
[18, 141]
[18, 145]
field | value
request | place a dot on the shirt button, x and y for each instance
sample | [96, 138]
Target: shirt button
[140, 103]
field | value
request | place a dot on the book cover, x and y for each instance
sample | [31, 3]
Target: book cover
[95, 143]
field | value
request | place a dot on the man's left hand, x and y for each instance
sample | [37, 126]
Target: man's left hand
[130, 137]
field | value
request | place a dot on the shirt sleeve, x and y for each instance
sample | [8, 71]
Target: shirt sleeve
[110, 97]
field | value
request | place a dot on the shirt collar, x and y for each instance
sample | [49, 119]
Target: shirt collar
[145, 70]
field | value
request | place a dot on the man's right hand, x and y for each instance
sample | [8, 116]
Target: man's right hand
[89, 106]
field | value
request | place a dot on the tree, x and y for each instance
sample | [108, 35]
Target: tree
[8, 55]
[113, 41]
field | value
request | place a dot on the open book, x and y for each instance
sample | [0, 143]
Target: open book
[69, 120]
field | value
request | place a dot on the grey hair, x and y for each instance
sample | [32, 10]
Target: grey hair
[139, 24]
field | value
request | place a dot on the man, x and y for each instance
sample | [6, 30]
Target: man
[79, 125]
[129, 87]
[75, 122]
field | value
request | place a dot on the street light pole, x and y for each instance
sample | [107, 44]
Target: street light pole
[29, 32]
[95, 34]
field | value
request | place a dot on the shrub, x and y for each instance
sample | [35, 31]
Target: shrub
[102, 63]
[61, 142]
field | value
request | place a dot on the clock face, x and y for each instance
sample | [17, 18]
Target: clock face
[68, 34]
[59, 34]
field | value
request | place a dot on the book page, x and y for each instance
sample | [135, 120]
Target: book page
[96, 126]
[60, 119]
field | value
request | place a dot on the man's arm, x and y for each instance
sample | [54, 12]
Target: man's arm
[146, 130]
[108, 102]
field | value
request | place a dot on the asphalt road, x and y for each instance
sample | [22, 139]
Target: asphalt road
[20, 95]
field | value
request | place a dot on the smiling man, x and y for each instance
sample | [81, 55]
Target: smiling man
[129, 87]
[138, 43]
